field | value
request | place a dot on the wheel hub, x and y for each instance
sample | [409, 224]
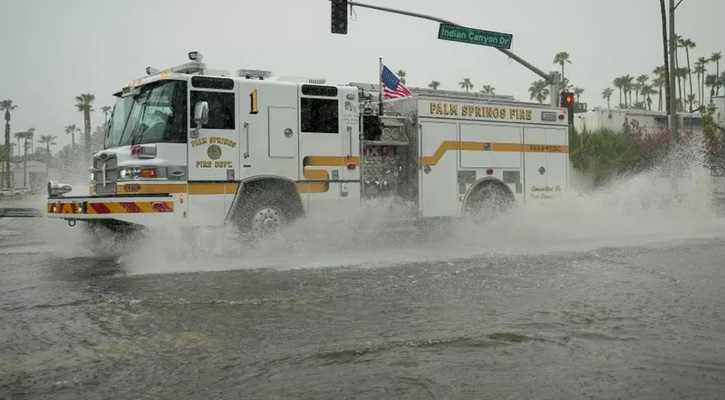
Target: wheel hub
[266, 220]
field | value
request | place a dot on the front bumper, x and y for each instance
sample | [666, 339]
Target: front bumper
[135, 209]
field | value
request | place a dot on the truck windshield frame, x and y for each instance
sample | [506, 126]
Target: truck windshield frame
[158, 113]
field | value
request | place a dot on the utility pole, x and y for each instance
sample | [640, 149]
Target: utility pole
[673, 93]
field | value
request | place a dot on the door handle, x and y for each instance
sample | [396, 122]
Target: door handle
[246, 139]
[349, 135]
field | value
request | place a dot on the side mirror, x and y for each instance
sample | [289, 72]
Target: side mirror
[201, 113]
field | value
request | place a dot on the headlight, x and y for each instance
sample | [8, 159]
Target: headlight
[57, 189]
[128, 173]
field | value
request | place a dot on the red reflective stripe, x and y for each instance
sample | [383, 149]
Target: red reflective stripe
[100, 208]
[161, 207]
[131, 207]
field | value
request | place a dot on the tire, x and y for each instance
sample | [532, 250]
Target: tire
[487, 202]
[107, 238]
[262, 214]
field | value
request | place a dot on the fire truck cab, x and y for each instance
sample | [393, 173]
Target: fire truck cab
[190, 146]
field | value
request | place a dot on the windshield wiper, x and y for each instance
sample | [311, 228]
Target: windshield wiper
[137, 134]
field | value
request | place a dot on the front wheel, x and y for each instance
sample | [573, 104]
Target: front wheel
[262, 214]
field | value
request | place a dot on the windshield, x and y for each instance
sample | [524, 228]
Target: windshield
[156, 114]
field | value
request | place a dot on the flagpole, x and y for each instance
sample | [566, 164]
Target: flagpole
[380, 88]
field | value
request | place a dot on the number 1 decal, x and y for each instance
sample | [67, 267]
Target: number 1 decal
[253, 97]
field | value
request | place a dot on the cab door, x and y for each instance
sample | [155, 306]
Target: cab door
[213, 150]
[322, 156]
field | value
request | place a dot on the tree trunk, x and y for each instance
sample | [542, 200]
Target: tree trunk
[87, 136]
[47, 162]
[689, 72]
[620, 97]
[7, 149]
[25, 164]
[717, 73]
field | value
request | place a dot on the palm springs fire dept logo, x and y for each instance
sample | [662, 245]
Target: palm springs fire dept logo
[214, 152]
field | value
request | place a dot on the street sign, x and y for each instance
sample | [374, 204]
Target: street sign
[475, 36]
[580, 107]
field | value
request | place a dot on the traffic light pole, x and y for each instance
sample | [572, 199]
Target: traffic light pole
[551, 78]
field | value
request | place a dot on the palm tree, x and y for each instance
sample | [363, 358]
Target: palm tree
[401, 74]
[689, 44]
[7, 106]
[641, 81]
[700, 72]
[681, 74]
[716, 57]
[84, 104]
[619, 84]
[19, 136]
[564, 85]
[607, 95]
[434, 85]
[466, 84]
[647, 91]
[628, 85]
[31, 136]
[691, 99]
[71, 130]
[488, 89]
[659, 82]
[48, 140]
[106, 109]
[578, 92]
[539, 90]
[711, 82]
[562, 58]
[25, 136]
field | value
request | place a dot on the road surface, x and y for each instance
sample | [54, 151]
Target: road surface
[598, 300]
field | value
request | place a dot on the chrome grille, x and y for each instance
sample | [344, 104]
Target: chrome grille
[111, 164]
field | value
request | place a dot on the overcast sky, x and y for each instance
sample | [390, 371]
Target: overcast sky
[53, 50]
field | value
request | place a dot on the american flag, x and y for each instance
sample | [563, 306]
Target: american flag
[393, 88]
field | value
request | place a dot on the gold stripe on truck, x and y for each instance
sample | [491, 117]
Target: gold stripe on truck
[450, 145]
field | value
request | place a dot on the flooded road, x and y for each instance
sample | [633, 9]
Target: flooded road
[643, 319]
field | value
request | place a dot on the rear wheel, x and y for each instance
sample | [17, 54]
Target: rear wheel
[487, 202]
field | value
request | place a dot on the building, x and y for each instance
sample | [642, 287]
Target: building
[650, 122]
[37, 175]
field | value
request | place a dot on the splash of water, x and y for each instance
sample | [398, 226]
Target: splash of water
[632, 210]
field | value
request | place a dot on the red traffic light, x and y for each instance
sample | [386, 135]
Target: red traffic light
[567, 99]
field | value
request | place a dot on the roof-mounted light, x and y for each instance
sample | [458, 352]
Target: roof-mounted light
[195, 56]
[151, 71]
[254, 74]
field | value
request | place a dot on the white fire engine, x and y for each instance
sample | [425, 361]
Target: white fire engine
[190, 146]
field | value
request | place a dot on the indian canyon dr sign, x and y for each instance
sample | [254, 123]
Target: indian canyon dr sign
[475, 36]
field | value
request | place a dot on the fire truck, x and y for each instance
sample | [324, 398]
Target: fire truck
[190, 146]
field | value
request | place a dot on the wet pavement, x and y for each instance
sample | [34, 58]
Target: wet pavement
[642, 319]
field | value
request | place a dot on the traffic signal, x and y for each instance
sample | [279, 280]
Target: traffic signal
[339, 16]
[567, 101]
